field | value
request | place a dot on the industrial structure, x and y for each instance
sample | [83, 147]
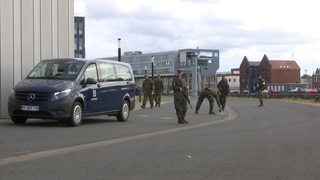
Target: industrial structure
[199, 66]
[79, 37]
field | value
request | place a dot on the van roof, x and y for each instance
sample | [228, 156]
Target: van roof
[84, 59]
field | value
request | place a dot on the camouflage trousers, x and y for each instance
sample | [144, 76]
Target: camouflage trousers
[180, 104]
[260, 95]
[223, 101]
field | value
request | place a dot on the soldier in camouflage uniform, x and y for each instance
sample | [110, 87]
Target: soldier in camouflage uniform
[180, 101]
[147, 88]
[158, 88]
[224, 90]
[210, 95]
[261, 86]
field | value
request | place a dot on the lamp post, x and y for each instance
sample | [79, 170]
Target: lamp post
[152, 67]
[119, 49]
[194, 72]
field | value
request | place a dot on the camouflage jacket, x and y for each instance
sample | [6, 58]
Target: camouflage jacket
[177, 84]
[223, 87]
[147, 86]
[158, 85]
[261, 84]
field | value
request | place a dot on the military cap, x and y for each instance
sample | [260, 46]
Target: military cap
[179, 70]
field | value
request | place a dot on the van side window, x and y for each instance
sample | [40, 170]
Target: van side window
[91, 72]
[123, 73]
[107, 72]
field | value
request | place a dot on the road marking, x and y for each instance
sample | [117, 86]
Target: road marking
[166, 118]
[144, 115]
[41, 154]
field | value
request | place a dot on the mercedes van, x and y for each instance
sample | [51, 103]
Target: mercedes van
[70, 89]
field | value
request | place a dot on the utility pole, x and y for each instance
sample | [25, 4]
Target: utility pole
[119, 49]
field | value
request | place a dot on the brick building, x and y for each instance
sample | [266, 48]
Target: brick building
[248, 72]
[275, 72]
[316, 79]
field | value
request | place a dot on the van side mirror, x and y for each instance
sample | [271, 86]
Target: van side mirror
[91, 81]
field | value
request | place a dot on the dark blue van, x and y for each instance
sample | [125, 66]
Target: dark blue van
[70, 89]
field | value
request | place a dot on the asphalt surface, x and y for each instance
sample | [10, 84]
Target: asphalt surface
[277, 141]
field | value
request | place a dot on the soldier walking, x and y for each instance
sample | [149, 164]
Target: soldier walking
[261, 87]
[147, 88]
[210, 95]
[180, 100]
[224, 90]
[158, 88]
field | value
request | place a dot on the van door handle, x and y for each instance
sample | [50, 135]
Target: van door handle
[99, 85]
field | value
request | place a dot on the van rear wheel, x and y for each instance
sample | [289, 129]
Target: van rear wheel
[76, 114]
[124, 112]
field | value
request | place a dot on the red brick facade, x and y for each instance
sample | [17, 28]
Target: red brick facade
[273, 71]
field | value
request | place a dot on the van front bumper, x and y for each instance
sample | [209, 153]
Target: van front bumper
[60, 109]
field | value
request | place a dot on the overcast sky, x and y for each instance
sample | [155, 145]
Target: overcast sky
[281, 29]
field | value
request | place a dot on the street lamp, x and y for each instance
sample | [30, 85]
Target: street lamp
[119, 49]
[152, 68]
[194, 71]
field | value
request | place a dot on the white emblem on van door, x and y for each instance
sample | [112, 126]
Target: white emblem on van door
[94, 95]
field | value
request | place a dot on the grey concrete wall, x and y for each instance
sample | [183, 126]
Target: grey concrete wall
[32, 30]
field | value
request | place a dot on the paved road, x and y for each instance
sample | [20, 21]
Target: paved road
[278, 141]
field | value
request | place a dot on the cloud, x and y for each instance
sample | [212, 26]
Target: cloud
[236, 28]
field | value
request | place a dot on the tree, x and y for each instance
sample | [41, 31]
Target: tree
[306, 76]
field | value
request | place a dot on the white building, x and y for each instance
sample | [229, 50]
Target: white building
[233, 78]
[31, 30]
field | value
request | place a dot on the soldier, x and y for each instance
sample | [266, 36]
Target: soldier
[180, 100]
[147, 88]
[261, 86]
[158, 88]
[224, 90]
[210, 95]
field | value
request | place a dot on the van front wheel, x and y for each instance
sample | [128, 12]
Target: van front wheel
[123, 114]
[76, 114]
[18, 120]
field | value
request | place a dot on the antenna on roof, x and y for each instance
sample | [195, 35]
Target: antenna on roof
[292, 56]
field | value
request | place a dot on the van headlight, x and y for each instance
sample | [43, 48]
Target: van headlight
[58, 95]
[12, 91]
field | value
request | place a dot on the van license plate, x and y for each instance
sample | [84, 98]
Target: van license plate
[29, 108]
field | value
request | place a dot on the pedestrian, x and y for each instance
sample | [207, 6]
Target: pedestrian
[147, 89]
[210, 94]
[180, 96]
[224, 90]
[158, 88]
[261, 86]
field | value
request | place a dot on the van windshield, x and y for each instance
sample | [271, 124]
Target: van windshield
[56, 69]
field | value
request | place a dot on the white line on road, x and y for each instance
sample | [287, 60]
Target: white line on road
[41, 154]
[166, 118]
